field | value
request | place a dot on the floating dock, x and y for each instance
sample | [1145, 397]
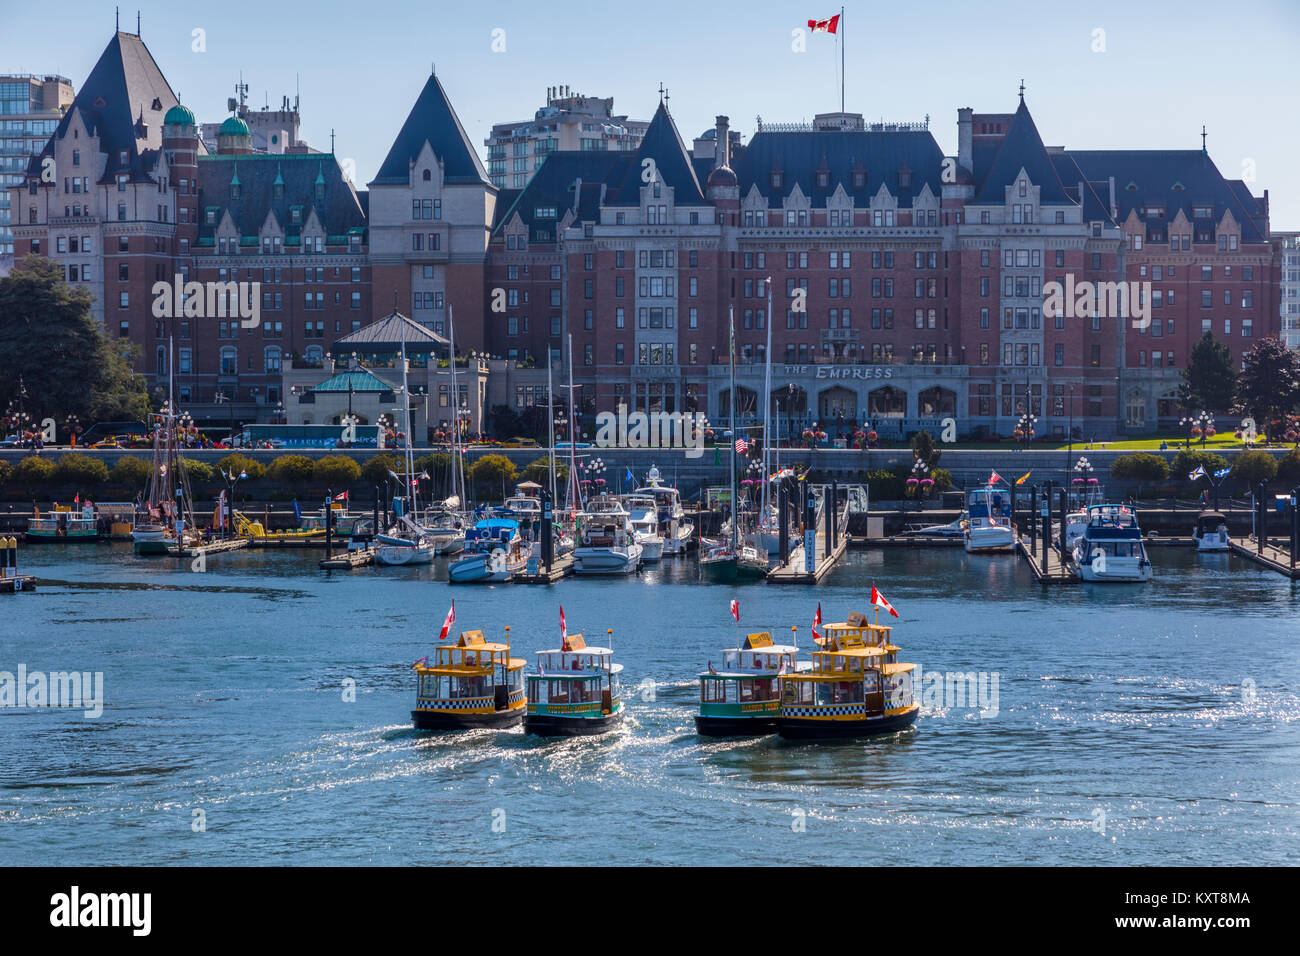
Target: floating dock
[1055, 571]
[1271, 556]
[795, 571]
[215, 547]
[15, 584]
[561, 567]
[347, 560]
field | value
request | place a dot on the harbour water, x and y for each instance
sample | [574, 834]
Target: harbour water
[1146, 724]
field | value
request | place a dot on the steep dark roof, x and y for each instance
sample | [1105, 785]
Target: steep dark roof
[123, 101]
[662, 143]
[881, 154]
[340, 211]
[505, 200]
[1096, 196]
[1173, 178]
[552, 187]
[433, 120]
[1022, 148]
[386, 336]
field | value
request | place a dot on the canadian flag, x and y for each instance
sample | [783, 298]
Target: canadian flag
[878, 600]
[446, 625]
[994, 478]
[829, 25]
[564, 631]
[817, 622]
[342, 497]
[735, 611]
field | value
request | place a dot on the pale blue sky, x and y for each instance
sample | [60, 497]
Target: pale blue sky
[1167, 68]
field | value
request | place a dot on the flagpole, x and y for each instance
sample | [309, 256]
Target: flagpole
[841, 39]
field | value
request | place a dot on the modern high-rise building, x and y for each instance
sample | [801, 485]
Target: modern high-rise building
[30, 110]
[1289, 297]
[568, 121]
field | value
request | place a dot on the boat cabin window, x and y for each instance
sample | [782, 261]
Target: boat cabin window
[755, 690]
[714, 691]
[798, 692]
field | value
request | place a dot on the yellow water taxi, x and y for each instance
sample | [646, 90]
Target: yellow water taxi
[856, 686]
[470, 684]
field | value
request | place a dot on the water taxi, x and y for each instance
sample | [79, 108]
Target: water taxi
[1211, 531]
[988, 521]
[1111, 547]
[470, 684]
[856, 687]
[64, 525]
[575, 691]
[743, 698]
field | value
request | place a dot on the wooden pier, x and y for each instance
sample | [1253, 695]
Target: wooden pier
[909, 541]
[214, 547]
[347, 560]
[1272, 556]
[795, 571]
[17, 583]
[1056, 571]
[561, 567]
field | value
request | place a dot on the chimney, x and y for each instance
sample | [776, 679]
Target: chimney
[722, 149]
[965, 134]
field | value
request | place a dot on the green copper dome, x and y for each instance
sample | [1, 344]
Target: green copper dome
[179, 116]
[234, 126]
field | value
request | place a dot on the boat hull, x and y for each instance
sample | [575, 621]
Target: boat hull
[815, 728]
[400, 555]
[606, 561]
[651, 551]
[1116, 571]
[730, 570]
[707, 726]
[450, 720]
[988, 539]
[1211, 542]
[552, 725]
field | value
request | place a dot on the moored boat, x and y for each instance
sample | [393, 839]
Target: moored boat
[744, 698]
[644, 519]
[64, 525]
[607, 544]
[1211, 531]
[493, 552]
[988, 520]
[575, 691]
[1111, 547]
[675, 528]
[471, 684]
[856, 687]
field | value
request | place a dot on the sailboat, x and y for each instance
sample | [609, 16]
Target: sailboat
[166, 516]
[446, 522]
[732, 560]
[765, 537]
[406, 542]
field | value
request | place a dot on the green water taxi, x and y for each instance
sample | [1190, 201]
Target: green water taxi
[471, 684]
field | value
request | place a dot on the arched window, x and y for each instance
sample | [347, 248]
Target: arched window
[427, 175]
[272, 358]
[315, 354]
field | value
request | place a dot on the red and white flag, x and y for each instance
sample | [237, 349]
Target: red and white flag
[829, 25]
[878, 600]
[817, 622]
[342, 497]
[994, 478]
[564, 631]
[735, 611]
[446, 625]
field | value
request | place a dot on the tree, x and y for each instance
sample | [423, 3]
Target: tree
[291, 468]
[337, 471]
[1209, 379]
[1288, 467]
[67, 362]
[34, 470]
[1187, 461]
[200, 472]
[1140, 467]
[1252, 467]
[236, 463]
[78, 469]
[130, 472]
[923, 449]
[376, 470]
[6, 473]
[1268, 388]
[540, 472]
[503, 422]
[490, 474]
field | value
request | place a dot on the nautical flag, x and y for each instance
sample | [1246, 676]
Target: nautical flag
[829, 25]
[1023, 478]
[342, 497]
[735, 611]
[242, 474]
[77, 500]
[424, 474]
[297, 510]
[564, 631]
[878, 600]
[422, 661]
[817, 622]
[712, 669]
[731, 340]
[394, 474]
[414, 482]
[446, 625]
[741, 446]
[994, 478]
[1198, 473]
[1222, 472]
[630, 478]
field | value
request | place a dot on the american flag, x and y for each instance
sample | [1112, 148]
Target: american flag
[742, 445]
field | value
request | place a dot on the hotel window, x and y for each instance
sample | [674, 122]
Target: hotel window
[587, 356]
[693, 319]
[1247, 328]
[1227, 326]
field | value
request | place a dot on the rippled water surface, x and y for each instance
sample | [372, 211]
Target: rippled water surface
[1151, 724]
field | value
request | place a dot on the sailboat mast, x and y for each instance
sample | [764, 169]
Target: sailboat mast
[457, 462]
[573, 437]
[767, 410]
[731, 358]
[550, 425]
[406, 425]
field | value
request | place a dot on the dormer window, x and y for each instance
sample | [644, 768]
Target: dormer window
[823, 179]
[123, 157]
[278, 190]
[427, 176]
[1202, 212]
[295, 215]
[905, 179]
[320, 190]
[1024, 188]
[234, 190]
[777, 179]
[859, 180]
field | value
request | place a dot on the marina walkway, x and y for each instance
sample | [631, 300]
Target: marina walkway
[1055, 571]
[1272, 556]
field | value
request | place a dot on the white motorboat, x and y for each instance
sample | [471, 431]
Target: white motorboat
[674, 528]
[493, 552]
[643, 515]
[1084, 492]
[1211, 531]
[606, 543]
[988, 520]
[1111, 547]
